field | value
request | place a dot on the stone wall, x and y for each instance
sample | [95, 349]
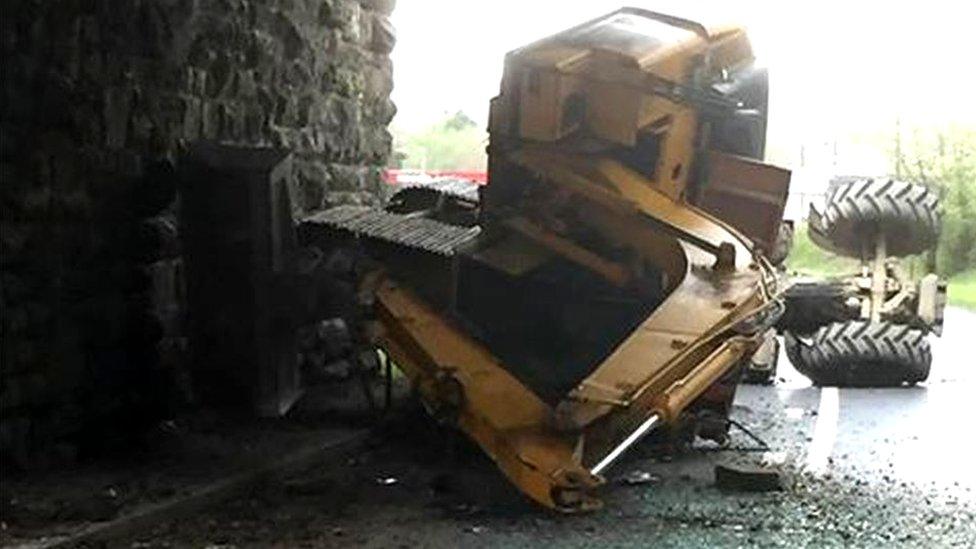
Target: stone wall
[99, 98]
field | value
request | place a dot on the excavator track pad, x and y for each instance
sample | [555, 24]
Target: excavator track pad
[405, 230]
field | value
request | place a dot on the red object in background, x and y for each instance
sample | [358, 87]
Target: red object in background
[420, 177]
[479, 177]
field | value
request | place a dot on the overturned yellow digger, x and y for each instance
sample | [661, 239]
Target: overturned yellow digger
[610, 278]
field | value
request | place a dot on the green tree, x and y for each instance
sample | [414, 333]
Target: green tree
[459, 122]
[455, 143]
[945, 160]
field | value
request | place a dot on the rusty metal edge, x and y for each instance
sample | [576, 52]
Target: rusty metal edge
[181, 506]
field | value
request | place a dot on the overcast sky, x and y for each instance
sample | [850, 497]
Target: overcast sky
[837, 67]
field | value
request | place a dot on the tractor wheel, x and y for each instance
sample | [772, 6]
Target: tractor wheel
[857, 208]
[811, 304]
[862, 354]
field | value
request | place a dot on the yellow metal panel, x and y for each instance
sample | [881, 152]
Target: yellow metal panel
[613, 185]
[748, 194]
[510, 423]
[612, 111]
[544, 95]
[677, 154]
[656, 353]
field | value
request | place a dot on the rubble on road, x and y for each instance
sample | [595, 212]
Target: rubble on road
[745, 476]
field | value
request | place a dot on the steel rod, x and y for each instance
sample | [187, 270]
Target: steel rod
[631, 439]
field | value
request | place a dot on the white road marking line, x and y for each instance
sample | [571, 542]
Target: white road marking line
[824, 432]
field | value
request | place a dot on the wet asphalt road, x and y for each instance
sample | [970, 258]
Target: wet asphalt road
[919, 436]
[861, 468]
[925, 433]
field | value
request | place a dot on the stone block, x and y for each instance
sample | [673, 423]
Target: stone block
[336, 14]
[346, 177]
[244, 84]
[255, 122]
[194, 81]
[378, 82]
[308, 186]
[116, 105]
[383, 35]
[192, 119]
[231, 121]
[210, 123]
[365, 30]
[382, 6]
[353, 30]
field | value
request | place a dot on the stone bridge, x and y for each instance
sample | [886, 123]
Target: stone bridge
[99, 99]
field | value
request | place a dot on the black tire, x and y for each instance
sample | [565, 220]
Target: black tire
[856, 208]
[812, 304]
[862, 354]
[413, 199]
[454, 203]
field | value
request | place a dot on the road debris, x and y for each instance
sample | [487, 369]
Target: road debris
[744, 476]
[638, 477]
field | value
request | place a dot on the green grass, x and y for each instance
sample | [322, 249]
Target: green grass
[962, 289]
[807, 258]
